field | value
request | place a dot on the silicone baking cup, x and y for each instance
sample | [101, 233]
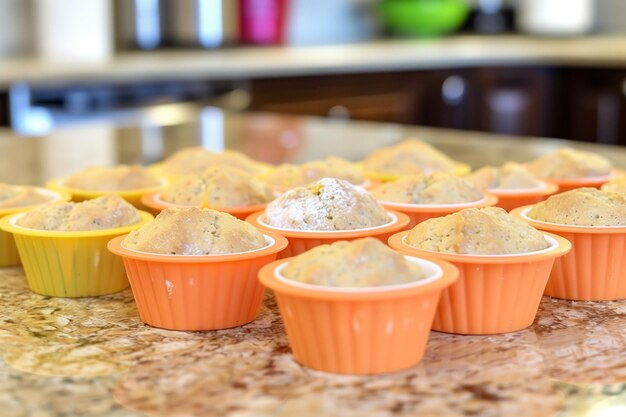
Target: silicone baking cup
[509, 199]
[419, 212]
[8, 251]
[70, 264]
[155, 205]
[359, 330]
[566, 184]
[132, 196]
[197, 292]
[494, 293]
[595, 269]
[302, 240]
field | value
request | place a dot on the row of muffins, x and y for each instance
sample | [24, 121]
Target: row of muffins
[368, 211]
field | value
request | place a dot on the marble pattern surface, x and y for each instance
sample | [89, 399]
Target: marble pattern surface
[94, 357]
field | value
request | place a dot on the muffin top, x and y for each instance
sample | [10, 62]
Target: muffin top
[363, 262]
[117, 178]
[569, 163]
[218, 187]
[617, 185]
[195, 231]
[195, 160]
[582, 207]
[510, 176]
[473, 231]
[435, 188]
[289, 175]
[328, 204]
[411, 156]
[108, 212]
[12, 196]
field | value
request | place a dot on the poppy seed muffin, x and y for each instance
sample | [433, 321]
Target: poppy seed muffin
[435, 188]
[328, 204]
[472, 231]
[570, 163]
[195, 231]
[117, 178]
[582, 207]
[511, 175]
[108, 212]
[363, 262]
[289, 175]
[218, 187]
[15, 196]
[411, 156]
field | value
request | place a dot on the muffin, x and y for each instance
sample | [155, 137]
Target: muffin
[357, 307]
[504, 265]
[595, 222]
[218, 187]
[16, 196]
[195, 231]
[617, 185]
[116, 178]
[567, 163]
[510, 176]
[195, 160]
[484, 231]
[435, 188]
[363, 262]
[196, 268]
[63, 245]
[411, 156]
[289, 175]
[422, 197]
[16, 199]
[108, 212]
[328, 204]
[513, 184]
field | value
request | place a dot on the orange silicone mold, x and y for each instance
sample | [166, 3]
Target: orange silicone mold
[509, 199]
[302, 240]
[9, 255]
[155, 204]
[419, 212]
[566, 184]
[595, 269]
[359, 331]
[494, 294]
[197, 292]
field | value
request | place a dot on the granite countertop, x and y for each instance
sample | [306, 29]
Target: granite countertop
[382, 55]
[93, 357]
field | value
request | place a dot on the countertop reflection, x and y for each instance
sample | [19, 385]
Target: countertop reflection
[94, 357]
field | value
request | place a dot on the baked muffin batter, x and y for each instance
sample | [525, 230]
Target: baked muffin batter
[117, 178]
[12, 196]
[411, 156]
[218, 187]
[484, 231]
[582, 207]
[195, 160]
[328, 204]
[570, 163]
[195, 231]
[289, 175]
[617, 185]
[510, 175]
[108, 212]
[435, 188]
[359, 263]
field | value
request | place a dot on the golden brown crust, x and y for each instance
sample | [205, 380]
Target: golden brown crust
[435, 188]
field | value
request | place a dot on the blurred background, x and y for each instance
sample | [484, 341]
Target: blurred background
[552, 68]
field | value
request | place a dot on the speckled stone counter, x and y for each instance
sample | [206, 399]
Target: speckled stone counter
[93, 357]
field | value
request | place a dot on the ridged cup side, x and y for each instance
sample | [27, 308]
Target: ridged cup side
[9, 255]
[70, 267]
[197, 296]
[595, 269]
[358, 337]
[492, 298]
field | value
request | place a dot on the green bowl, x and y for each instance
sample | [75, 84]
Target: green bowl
[423, 17]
